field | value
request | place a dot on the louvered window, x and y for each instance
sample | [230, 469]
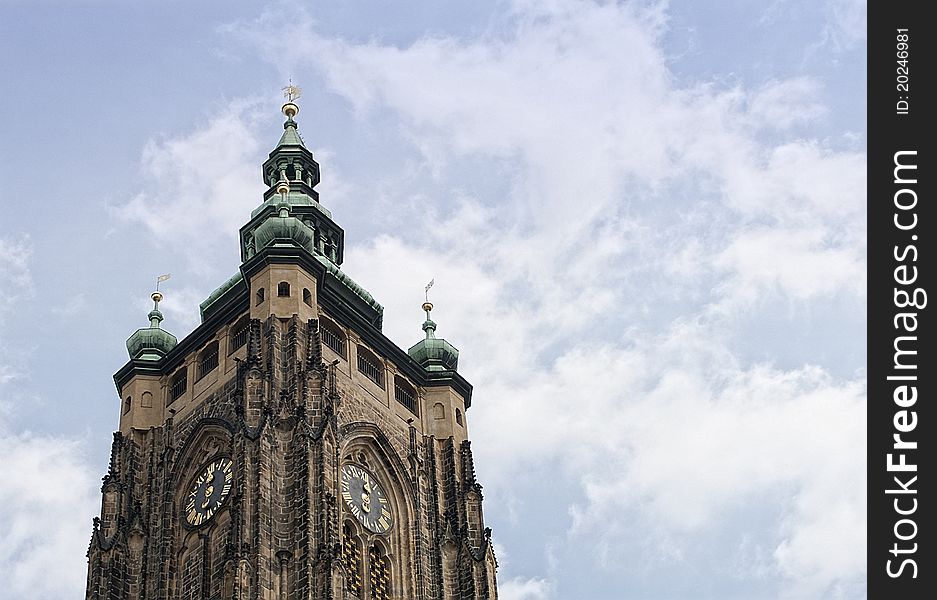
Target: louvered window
[178, 384]
[370, 366]
[379, 573]
[239, 335]
[332, 337]
[351, 557]
[207, 360]
[405, 394]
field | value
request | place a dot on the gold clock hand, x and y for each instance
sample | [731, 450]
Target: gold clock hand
[208, 493]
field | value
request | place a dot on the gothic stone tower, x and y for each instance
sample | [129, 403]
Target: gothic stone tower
[286, 449]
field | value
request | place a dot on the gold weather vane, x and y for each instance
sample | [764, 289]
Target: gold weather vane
[292, 92]
[426, 289]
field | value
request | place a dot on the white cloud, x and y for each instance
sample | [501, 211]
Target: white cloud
[644, 220]
[797, 262]
[16, 284]
[846, 22]
[201, 186]
[47, 492]
[783, 103]
[580, 94]
[520, 588]
[180, 307]
[15, 274]
[47, 497]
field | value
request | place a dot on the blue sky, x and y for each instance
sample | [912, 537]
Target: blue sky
[646, 222]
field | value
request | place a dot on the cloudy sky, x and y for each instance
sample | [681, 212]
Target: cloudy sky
[646, 222]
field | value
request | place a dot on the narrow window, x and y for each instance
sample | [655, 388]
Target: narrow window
[332, 337]
[207, 360]
[405, 394]
[127, 405]
[238, 336]
[283, 289]
[370, 365]
[178, 384]
[307, 297]
[260, 296]
[458, 416]
[379, 573]
[351, 557]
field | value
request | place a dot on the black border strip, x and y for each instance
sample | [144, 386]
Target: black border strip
[900, 273]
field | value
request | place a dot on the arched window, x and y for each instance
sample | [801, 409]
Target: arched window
[351, 558]
[283, 289]
[370, 365]
[178, 383]
[379, 573]
[458, 416]
[332, 336]
[207, 360]
[307, 297]
[260, 296]
[127, 405]
[405, 394]
[238, 334]
[439, 411]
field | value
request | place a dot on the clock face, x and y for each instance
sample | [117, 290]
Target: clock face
[365, 499]
[208, 492]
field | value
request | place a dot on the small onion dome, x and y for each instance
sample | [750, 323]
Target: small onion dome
[151, 343]
[284, 229]
[434, 354]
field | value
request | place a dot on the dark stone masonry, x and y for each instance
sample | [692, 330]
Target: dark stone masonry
[275, 469]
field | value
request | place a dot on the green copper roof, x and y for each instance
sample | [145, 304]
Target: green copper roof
[284, 229]
[206, 304]
[350, 283]
[151, 343]
[290, 135]
[294, 198]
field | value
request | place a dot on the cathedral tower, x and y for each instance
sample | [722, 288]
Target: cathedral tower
[286, 449]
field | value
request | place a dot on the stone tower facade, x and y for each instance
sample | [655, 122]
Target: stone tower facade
[286, 449]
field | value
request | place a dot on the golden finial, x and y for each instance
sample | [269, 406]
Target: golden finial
[291, 93]
[427, 305]
[157, 296]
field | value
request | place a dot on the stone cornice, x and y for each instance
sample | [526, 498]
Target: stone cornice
[340, 302]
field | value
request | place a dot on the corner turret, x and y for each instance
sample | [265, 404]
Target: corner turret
[434, 354]
[151, 343]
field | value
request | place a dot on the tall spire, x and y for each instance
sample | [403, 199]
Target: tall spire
[290, 135]
[290, 212]
[291, 160]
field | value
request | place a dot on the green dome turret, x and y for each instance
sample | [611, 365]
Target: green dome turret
[434, 354]
[283, 228]
[151, 343]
